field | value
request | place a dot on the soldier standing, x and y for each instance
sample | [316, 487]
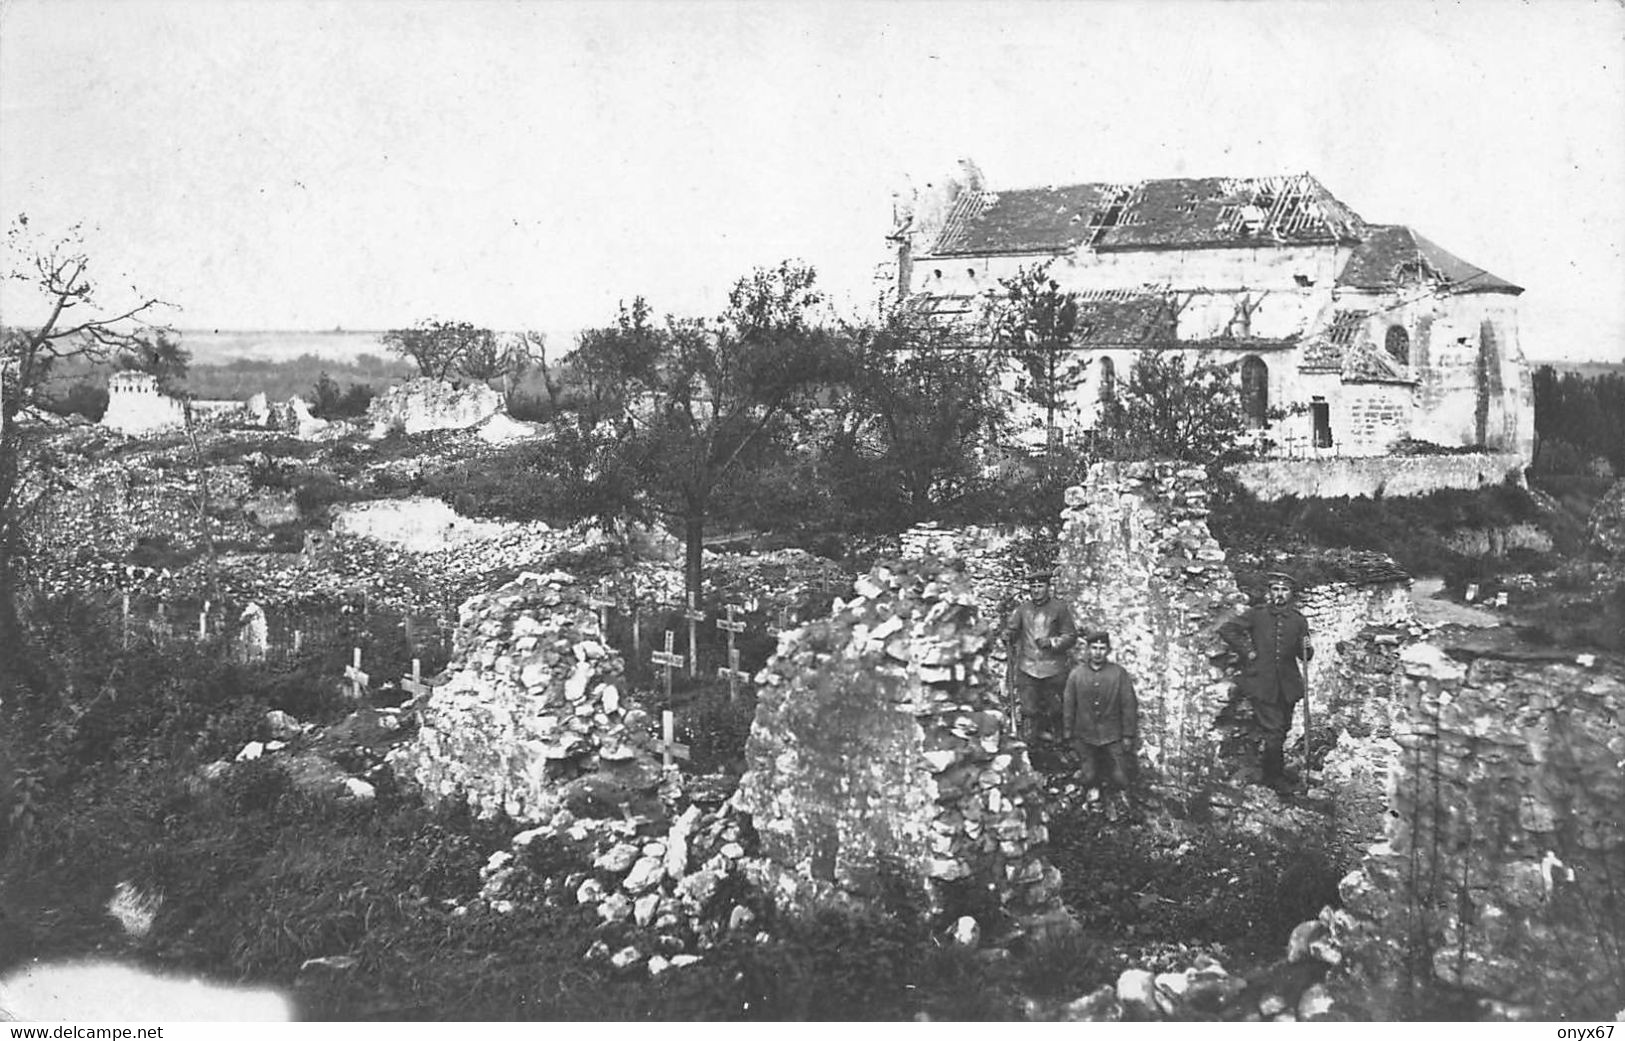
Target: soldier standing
[1101, 718]
[1040, 635]
[1270, 638]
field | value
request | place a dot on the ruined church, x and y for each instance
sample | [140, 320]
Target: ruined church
[1365, 335]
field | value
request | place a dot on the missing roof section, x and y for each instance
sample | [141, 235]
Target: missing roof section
[1167, 213]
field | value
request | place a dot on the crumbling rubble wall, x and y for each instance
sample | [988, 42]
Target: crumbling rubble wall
[1136, 558]
[1339, 613]
[880, 755]
[1504, 859]
[136, 405]
[532, 700]
[428, 404]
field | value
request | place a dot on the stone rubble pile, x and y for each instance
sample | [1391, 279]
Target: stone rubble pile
[881, 753]
[425, 404]
[988, 556]
[416, 523]
[665, 888]
[532, 701]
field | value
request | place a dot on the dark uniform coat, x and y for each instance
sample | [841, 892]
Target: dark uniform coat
[1099, 706]
[1042, 635]
[1272, 680]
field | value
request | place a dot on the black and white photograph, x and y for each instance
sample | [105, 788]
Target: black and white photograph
[877, 511]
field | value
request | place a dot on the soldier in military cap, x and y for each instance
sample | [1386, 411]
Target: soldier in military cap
[1270, 639]
[1040, 635]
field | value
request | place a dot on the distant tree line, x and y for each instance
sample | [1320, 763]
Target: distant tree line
[1578, 421]
[775, 415]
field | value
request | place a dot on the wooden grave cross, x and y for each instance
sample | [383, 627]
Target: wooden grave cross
[602, 602]
[415, 684]
[358, 679]
[733, 674]
[695, 616]
[126, 639]
[670, 748]
[731, 625]
[203, 621]
[784, 622]
[669, 660]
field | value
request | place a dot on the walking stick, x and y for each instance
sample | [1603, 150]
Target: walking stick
[1012, 703]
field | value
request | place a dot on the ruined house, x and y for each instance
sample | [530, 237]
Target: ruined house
[1367, 334]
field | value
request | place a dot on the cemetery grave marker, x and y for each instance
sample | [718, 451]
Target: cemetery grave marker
[733, 674]
[694, 616]
[670, 748]
[732, 625]
[602, 601]
[358, 679]
[668, 661]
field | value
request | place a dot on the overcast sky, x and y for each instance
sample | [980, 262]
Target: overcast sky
[304, 165]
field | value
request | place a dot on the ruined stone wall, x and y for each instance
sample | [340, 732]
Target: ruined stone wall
[1338, 614]
[532, 700]
[1136, 559]
[988, 557]
[1392, 475]
[426, 404]
[136, 406]
[1504, 859]
[881, 756]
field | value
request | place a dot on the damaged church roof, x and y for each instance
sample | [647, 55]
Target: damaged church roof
[1391, 255]
[1167, 213]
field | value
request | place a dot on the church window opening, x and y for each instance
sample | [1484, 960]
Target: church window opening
[1255, 391]
[1398, 344]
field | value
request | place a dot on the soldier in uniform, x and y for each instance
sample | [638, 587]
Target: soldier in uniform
[1040, 635]
[1101, 718]
[1269, 639]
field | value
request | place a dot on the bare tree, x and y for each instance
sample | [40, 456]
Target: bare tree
[77, 323]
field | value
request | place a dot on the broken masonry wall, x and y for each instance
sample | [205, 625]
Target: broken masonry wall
[881, 756]
[533, 699]
[1382, 475]
[1505, 855]
[989, 558]
[1136, 558]
[1338, 613]
[136, 405]
[428, 404]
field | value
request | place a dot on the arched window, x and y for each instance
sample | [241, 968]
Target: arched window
[1255, 390]
[1398, 344]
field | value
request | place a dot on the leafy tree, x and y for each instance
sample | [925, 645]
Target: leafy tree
[674, 414]
[158, 353]
[329, 402]
[78, 325]
[443, 349]
[1034, 323]
[1175, 407]
[1577, 419]
[920, 417]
